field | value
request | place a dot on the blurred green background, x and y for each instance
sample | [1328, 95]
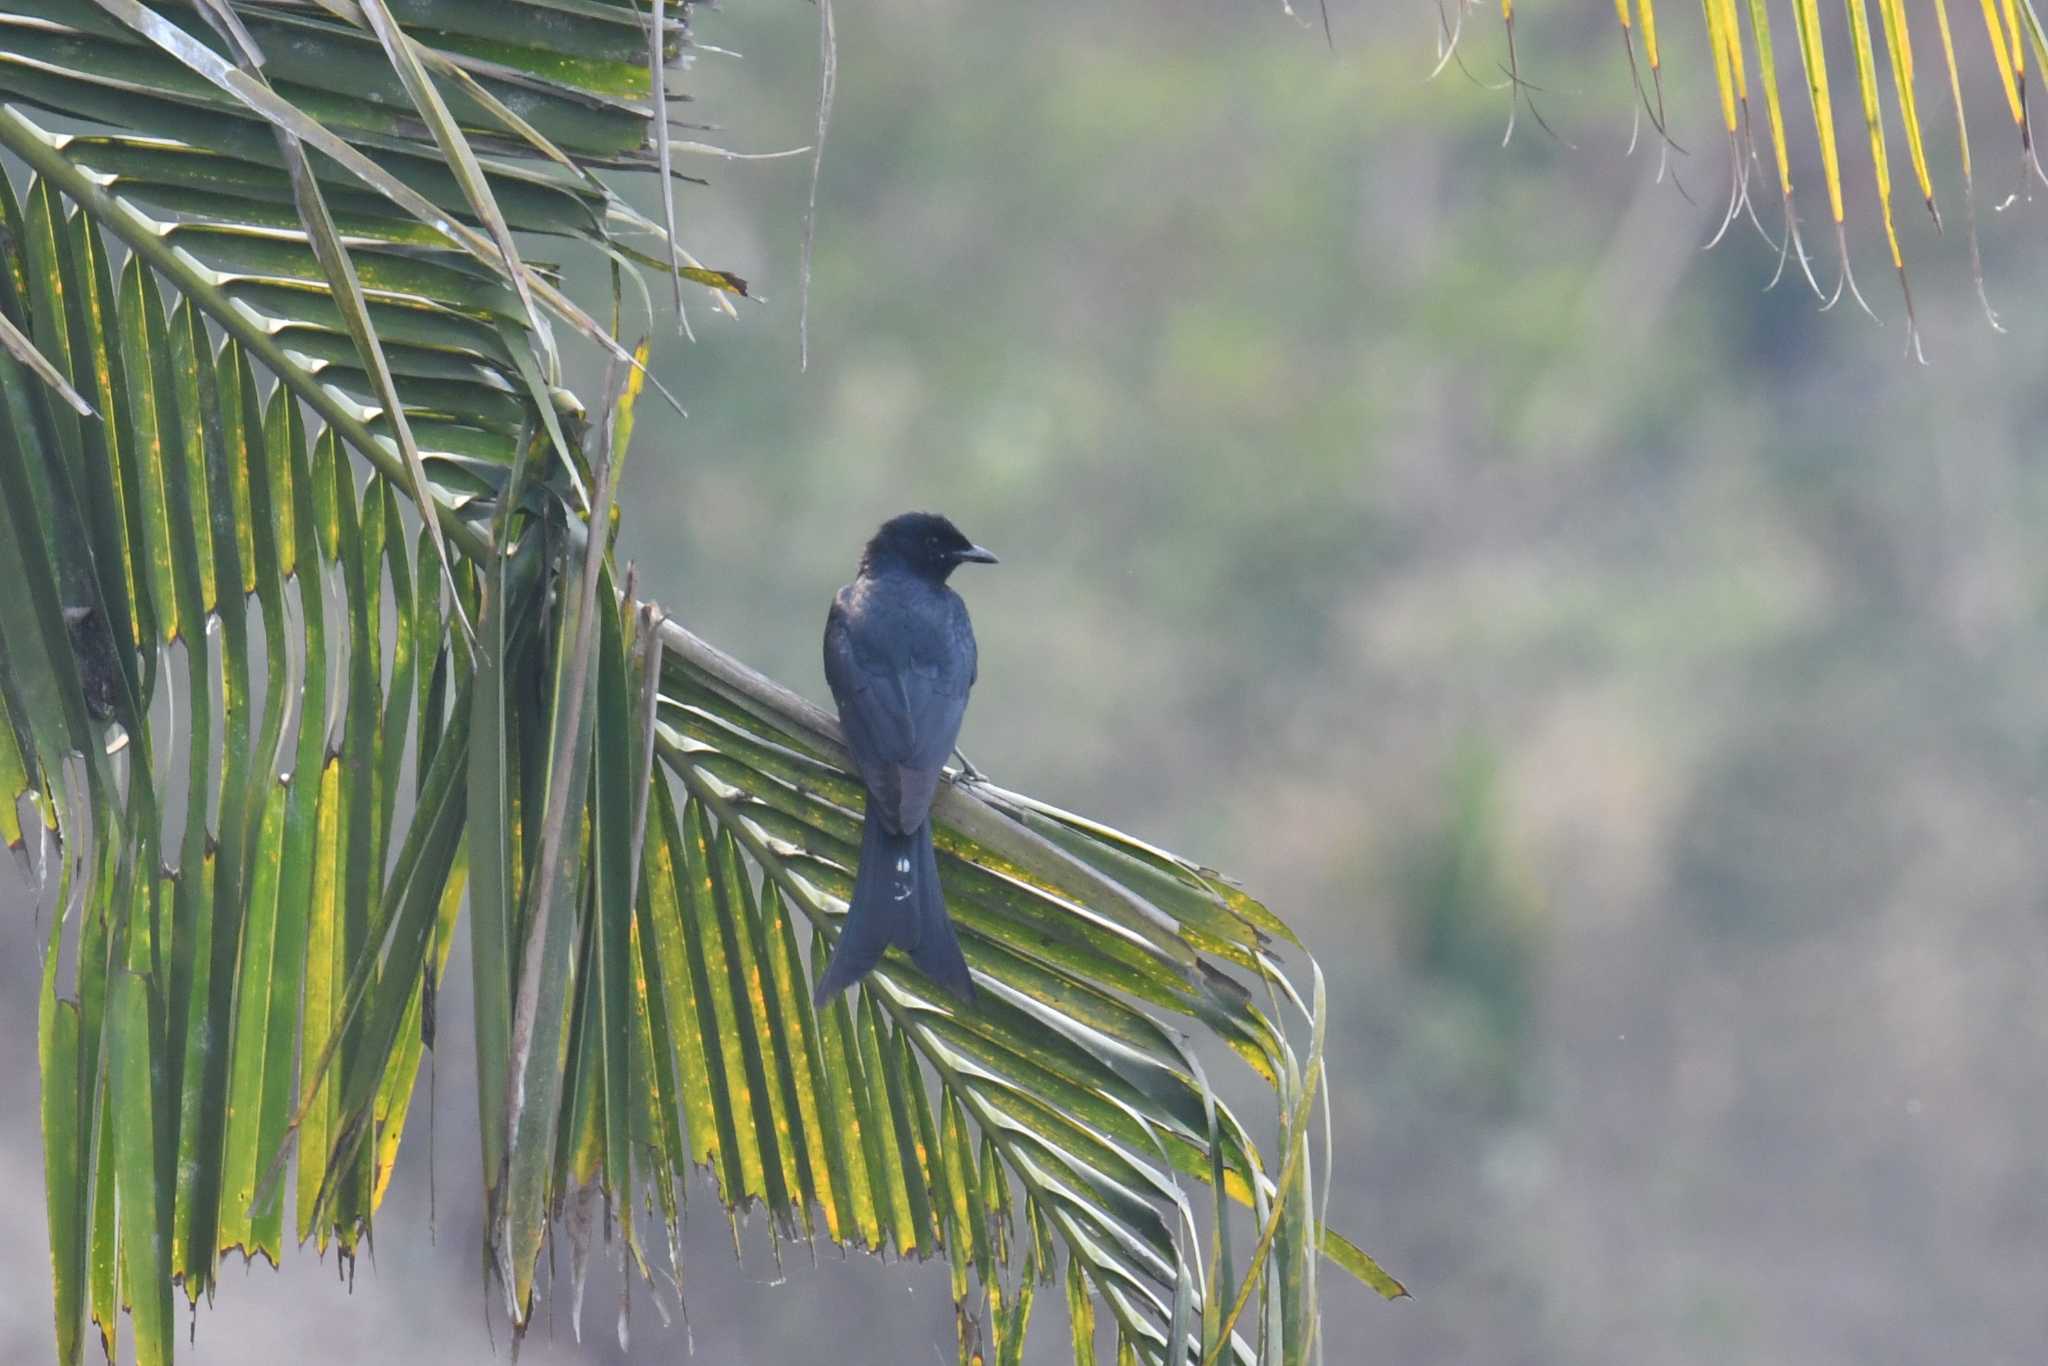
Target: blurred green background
[1630, 682]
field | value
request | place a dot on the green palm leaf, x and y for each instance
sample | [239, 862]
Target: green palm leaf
[270, 333]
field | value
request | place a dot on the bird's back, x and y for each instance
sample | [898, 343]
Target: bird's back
[900, 658]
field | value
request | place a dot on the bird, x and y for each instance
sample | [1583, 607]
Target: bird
[900, 659]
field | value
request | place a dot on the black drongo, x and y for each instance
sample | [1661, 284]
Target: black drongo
[899, 654]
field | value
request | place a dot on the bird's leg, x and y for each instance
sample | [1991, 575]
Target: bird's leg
[968, 772]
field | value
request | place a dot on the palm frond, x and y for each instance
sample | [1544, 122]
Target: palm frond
[1837, 51]
[279, 254]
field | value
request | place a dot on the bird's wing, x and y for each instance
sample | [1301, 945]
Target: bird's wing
[866, 723]
[901, 687]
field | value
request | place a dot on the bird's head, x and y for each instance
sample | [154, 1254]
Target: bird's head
[924, 543]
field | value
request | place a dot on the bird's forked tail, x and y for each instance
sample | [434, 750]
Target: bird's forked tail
[896, 900]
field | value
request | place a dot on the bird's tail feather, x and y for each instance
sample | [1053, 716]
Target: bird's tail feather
[896, 900]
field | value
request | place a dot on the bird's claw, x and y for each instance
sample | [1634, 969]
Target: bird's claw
[968, 772]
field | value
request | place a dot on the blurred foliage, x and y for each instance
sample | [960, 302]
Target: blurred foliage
[1470, 934]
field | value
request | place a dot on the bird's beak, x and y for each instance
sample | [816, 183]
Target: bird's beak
[978, 555]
